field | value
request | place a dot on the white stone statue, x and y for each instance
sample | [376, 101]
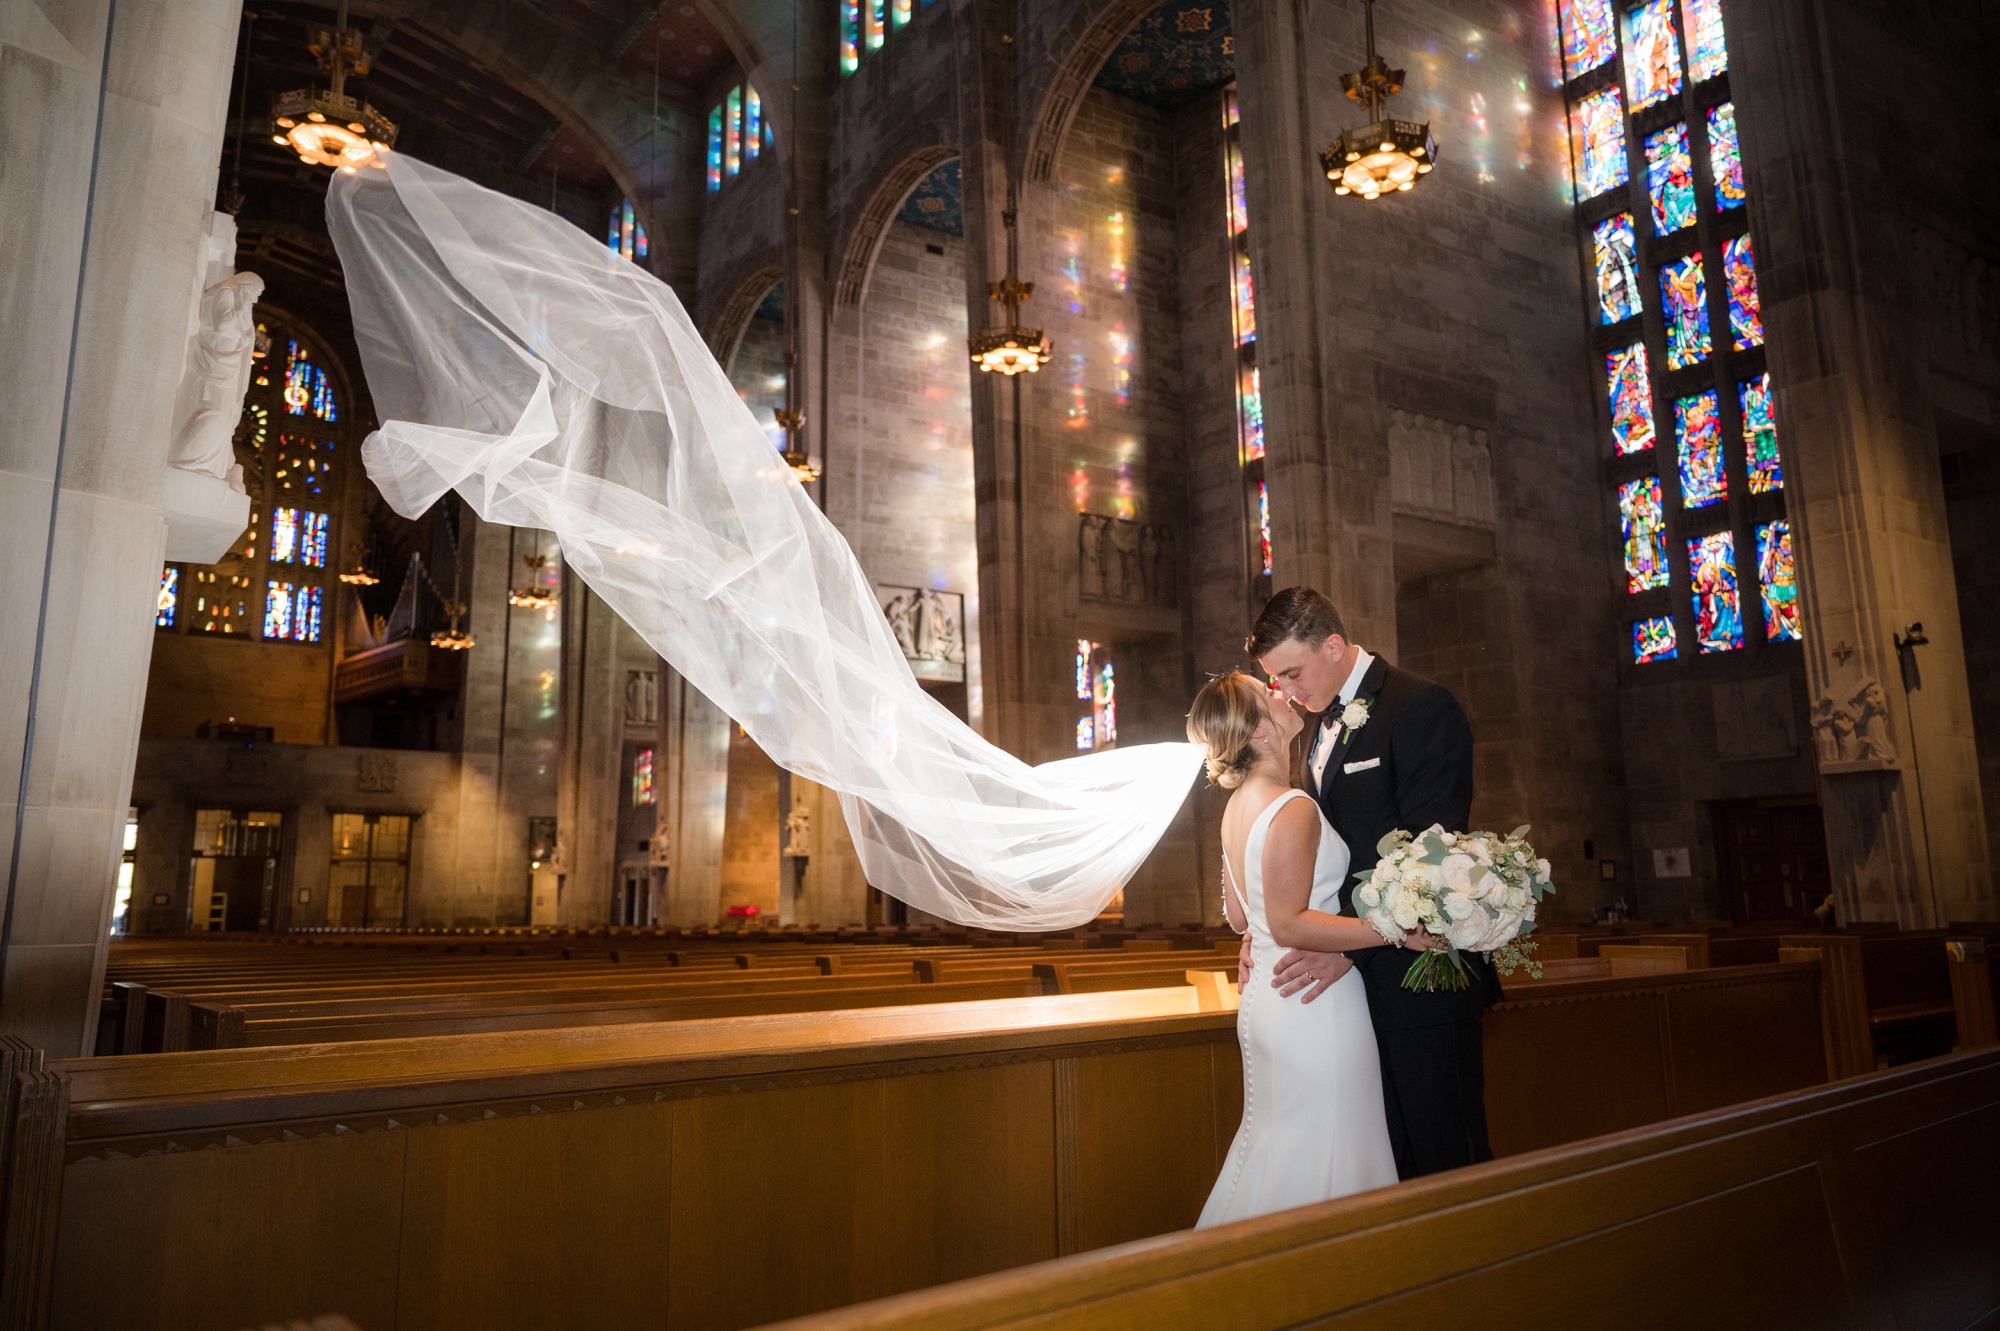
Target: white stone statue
[215, 379]
[798, 832]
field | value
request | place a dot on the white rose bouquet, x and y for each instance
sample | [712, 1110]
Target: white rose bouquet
[1474, 890]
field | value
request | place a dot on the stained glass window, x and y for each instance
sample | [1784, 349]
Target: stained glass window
[1703, 21]
[312, 540]
[1597, 142]
[1243, 317]
[1718, 613]
[1250, 407]
[1084, 647]
[1239, 207]
[872, 26]
[1264, 525]
[732, 132]
[1617, 269]
[1760, 436]
[1243, 297]
[1698, 433]
[1653, 640]
[1746, 316]
[1631, 389]
[291, 612]
[169, 606]
[1684, 300]
[1778, 576]
[303, 464]
[753, 123]
[307, 391]
[1670, 179]
[284, 535]
[1644, 520]
[715, 150]
[1652, 56]
[1589, 35]
[642, 778]
[1086, 733]
[850, 36]
[1104, 705]
[1725, 157]
[626, 235]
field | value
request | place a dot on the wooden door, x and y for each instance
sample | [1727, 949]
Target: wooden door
[1772, 859]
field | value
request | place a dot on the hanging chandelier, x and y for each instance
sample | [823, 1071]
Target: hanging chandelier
[453, 639]
[325, 126]
[1011, 350]
[792, 420]
[1385, 156]
[534, 596]
[356, 574]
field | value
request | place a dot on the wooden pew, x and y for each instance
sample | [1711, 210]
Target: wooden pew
[721, 1173]
[1975, 991]
[1822, 1208]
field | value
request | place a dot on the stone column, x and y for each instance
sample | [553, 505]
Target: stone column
[1327, 469]
[163, 107]
[692, 775]
[1826, 168]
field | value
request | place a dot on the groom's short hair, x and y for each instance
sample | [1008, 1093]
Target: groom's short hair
[1296, 612]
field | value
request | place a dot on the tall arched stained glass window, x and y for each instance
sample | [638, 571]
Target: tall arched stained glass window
[865, 26]
[1243, 325]
[625, 234]
[738, 134]
[1647, 81]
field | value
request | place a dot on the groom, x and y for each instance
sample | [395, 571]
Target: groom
[1390, 750]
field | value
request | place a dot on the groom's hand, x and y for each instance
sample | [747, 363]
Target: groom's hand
[1243, 963]
[1313, 972]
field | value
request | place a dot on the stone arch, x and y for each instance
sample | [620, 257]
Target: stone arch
[1073, 78]
[726, 329]
[864, 238]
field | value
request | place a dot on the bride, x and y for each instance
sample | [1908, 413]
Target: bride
[1313, 1120]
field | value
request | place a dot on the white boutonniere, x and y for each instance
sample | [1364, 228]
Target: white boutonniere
[1354, 716]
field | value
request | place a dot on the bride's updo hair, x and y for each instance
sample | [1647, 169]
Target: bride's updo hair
[1225, 714]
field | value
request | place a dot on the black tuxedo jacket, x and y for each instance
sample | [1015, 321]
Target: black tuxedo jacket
[1408, 767]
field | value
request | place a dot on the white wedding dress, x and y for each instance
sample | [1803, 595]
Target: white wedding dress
[1313, 1123]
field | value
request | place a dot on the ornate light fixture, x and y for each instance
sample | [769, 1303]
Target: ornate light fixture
[357, 574]
[453, 639]
[534, 596]
[1011, 350]
[326, 127]
[1388, 155]
[792, 420]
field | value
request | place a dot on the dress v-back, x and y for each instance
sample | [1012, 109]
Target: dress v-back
[1313, 1125]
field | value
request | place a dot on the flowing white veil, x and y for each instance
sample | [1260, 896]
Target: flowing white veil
[556, 385]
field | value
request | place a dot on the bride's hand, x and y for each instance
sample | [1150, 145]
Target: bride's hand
[1421, 940]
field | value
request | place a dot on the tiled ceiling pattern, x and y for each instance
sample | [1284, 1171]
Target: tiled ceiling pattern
[938, 201]
[1173, 55]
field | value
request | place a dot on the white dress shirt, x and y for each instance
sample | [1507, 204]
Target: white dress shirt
[1323, 741]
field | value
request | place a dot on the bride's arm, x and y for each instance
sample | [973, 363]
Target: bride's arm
[1289, 850]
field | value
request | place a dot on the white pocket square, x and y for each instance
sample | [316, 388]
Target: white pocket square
[1361, 767]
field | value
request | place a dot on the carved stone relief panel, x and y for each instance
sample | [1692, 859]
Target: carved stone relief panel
[1122, 560]
[1851, 732]
[930, 627]
[1440, 470]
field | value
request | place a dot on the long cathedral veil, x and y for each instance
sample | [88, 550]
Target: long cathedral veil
[555, 385]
